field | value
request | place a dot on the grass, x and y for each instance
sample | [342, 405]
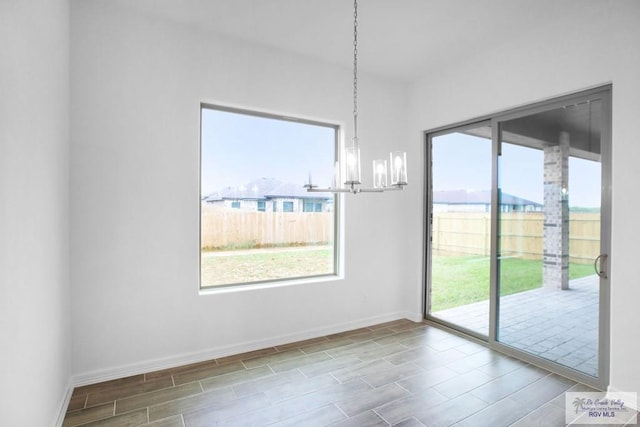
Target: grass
[460, 280]
[456, 280]
[230, 267]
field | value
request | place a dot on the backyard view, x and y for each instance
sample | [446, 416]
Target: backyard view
[243, 246]
[527, 195]
[257, 222]
[222, 267]
[460, 264]
[461, 280]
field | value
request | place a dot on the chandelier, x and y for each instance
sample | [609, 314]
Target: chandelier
[384, 179]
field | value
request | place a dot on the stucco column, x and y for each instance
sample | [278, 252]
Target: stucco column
[556, 214]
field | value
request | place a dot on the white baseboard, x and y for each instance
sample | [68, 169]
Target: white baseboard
[64, 405]
[217, 352]
[414, 317]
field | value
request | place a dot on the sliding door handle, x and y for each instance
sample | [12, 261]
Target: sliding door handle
[600, 265]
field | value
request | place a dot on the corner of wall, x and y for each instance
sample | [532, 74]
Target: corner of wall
[64, 404]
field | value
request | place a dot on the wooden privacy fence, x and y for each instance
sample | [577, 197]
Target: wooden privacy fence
[521, 234]
[234, 229]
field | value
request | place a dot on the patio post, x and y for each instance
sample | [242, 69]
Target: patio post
[556, 214]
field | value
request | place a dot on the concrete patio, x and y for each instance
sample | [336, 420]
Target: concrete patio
[558, 325]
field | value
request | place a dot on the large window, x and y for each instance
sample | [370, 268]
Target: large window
[257, 221]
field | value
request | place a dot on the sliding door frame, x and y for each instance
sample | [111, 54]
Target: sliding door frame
[429, 223]
[602, 93]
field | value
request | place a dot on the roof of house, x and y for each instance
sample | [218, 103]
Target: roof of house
[265, 188]
[482, 197]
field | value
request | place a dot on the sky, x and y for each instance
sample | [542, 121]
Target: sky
[238, 148]
[464, 162]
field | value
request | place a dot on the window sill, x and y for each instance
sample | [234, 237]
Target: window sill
[224, 289]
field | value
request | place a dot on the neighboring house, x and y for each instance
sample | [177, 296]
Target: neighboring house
[270, 195]
[480, 201]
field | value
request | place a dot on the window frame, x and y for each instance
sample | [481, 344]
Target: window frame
[337, 272]
[287, 206]
[313, 204]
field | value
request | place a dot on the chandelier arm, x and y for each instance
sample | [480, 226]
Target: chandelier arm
[328, 190]
[354, 189]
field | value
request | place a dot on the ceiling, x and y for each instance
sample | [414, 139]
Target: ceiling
[400, 39]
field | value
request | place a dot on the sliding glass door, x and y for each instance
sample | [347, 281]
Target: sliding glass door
[517, 243]
[549, 218]
[461, 227]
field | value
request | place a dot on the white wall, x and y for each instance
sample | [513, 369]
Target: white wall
[596, 44]
[135, 94]
[35, 339]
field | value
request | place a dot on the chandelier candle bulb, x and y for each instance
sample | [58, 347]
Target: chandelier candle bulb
[379, 173]
[352, 155]
[398, 168]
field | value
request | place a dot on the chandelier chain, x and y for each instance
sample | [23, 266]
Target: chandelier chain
[355, 70]
[350, 166]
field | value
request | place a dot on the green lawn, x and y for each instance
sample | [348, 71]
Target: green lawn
[459, 280]
[227, 267]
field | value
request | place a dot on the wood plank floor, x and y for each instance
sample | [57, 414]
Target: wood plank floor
[399, 373]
